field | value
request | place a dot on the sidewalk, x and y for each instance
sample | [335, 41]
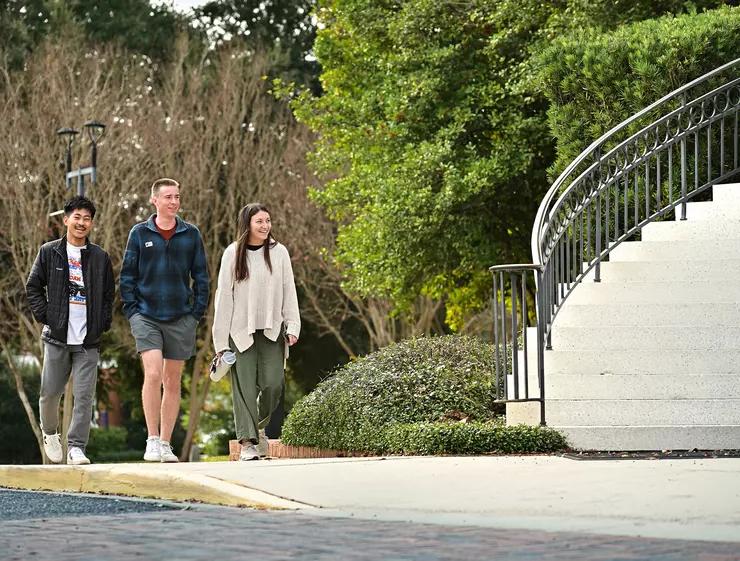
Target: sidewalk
[690, 499]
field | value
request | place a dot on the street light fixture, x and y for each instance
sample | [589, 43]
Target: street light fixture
[95, 131]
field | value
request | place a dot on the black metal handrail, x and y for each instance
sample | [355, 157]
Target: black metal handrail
[636, 173]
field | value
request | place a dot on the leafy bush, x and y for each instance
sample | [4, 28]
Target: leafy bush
[595, 81]
[422, 379]
[110, 445]
[18, 441]
[470, 438]
[403, 397]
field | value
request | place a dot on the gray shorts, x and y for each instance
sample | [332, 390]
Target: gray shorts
[176, 338]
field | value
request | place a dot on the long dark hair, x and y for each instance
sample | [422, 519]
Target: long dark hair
[241, 269]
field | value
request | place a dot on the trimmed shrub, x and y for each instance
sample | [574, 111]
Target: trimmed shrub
[471, 438]
[596, 80]
[423, 379]
[109, 445]
[431, 395]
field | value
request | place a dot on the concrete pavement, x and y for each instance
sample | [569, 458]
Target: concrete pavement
[689, 499]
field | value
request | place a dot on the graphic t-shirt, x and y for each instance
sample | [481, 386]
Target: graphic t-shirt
[77, 327]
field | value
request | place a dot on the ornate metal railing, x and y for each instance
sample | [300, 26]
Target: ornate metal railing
[643, 170]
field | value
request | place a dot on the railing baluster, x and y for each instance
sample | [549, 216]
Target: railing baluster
[709, 153]
[607, 226]
[588, 232]
[637, 197]
[568, 271]
[616, 208]
[735, 141]
[722, 146]
[525, 323]
[574, 235]
[626, 197]
[683, 178]
[670, 173]
[540, 347]
[696, 161]
[561, 276]
[597, 272]
[505, 362]
[581, 237]
[659, 185]
[514, 336]
[647, 188]
[497, 339]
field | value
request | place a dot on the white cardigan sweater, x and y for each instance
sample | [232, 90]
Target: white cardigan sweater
[263, 301]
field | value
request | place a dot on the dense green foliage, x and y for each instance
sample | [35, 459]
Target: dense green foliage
[423, 379]
[17, 441]
[135, 24]
[111, 445]
[471, 438]
[434, 136]
[421, 396]
[594, 81]
[22, 25]
[285, 27]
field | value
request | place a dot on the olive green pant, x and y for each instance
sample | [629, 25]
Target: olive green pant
[256, 384]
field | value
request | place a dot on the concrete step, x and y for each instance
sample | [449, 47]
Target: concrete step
[611, 314]
[642, 386]
[659, 338]
[633, 361]
[721, 270]
[675, 437]
[727, 193]
[685, 250]
[710, 210]
[678, 292]
[642, 412]
[692, 230]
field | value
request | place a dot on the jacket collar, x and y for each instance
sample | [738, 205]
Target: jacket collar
[180, 224]
[61, 245]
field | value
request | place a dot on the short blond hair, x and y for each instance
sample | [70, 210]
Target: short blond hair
[163, 182]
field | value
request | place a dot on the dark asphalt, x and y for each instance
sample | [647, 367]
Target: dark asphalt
[20, 505]
[200, 532]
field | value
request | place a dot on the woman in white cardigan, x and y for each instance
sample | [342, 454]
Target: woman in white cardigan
[256, 317]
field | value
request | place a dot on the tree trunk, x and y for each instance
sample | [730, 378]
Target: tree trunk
[197, 399]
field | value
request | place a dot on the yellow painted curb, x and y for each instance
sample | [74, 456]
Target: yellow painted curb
[134, 481]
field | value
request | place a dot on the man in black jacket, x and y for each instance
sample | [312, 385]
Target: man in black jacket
[70, 290]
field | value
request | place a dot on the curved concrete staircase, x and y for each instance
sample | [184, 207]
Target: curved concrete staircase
[649, 358]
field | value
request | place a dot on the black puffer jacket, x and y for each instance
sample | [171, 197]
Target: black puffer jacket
[47, 290]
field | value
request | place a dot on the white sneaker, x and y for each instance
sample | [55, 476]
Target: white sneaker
[165, 450]
[249, 452]
[76, 457]
[263, 447]
[53, 447]
[152, 453]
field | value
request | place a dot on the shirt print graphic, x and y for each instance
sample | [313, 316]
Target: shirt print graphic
[77, 294]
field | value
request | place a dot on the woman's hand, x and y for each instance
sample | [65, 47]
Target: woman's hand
[292, 340]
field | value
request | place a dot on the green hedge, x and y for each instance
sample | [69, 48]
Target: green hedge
[471, 438]
[110, 445]
[422, 396]
[595, 81]
[421, 379]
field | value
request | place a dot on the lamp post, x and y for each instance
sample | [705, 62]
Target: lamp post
[95, 131]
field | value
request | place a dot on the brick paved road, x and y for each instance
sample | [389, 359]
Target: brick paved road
[223, 534]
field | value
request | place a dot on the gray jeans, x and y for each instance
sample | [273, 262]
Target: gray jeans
[59, 363]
